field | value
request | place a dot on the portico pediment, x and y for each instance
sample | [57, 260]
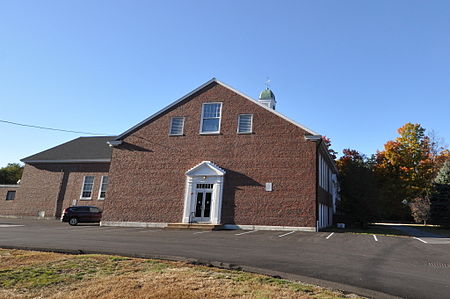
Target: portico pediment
[205, 168]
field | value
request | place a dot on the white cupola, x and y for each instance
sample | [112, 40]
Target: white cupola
[267, 98]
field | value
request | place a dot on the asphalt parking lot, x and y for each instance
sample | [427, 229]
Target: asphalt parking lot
[371, 265]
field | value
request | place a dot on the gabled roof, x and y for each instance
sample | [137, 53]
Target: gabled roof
[79, 150]
[213, 80]
[205, 168]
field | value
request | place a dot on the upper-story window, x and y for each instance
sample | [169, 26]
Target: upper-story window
[176, 126]
[88, 185]
[245, 122]
[211, 113]
[103, 187]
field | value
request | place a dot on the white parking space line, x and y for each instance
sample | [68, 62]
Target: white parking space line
[375, 237]
[329, 236]
[202, 232]
[249, 232]
[281, 236]
[420, 240]
[11, 225]
[86, 226]
[150, 231]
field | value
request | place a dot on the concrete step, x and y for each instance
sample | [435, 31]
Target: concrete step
[201, 226]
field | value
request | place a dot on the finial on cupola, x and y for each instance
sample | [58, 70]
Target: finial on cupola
[266, 97]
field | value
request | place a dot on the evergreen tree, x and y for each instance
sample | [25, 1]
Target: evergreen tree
[440, 199]
[443, 176]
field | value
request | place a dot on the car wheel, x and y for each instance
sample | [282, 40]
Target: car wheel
[73, 221]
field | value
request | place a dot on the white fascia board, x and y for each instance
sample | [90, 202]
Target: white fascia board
[114, 143]
[69, 161]
[210, 165]
[268, 109]
[121, 136]
[314, 138]
[10, 186]
[318, 138]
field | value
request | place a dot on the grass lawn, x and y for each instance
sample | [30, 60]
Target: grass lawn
[371, 229]
[30, 274]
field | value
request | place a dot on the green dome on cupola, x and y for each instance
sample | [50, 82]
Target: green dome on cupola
[267, 98]
[266, 94]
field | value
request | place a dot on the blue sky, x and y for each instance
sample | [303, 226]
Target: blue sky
[354, 71]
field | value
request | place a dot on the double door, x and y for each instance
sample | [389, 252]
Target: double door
[203, 205]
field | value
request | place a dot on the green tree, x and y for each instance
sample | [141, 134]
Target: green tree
[358, 188]
[11, 173]
[443, 176]
[440, 196]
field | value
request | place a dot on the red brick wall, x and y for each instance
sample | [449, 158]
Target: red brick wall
[147, 177]
[42, 185]
[6, 205]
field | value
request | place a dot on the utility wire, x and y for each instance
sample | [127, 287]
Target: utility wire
[47, 128]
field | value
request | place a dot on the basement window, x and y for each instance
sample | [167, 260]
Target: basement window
[10, 195]
[103, 187]
[245, 123]
[88, 185]
[176, 126]
[211, 114]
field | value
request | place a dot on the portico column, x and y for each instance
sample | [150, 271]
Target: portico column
[188, 199]
[217, 202]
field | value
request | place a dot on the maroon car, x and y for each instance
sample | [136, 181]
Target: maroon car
[81, 214]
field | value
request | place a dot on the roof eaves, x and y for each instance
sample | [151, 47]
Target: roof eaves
[269, 109]
[124, 134]
[67, 161]
[132, 129]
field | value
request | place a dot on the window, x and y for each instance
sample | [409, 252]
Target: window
[10, 195]
[211, 113]
[176, 126]
[94, 210]
[88, 185]
[245, 122]
[103, 187]
[205, 186]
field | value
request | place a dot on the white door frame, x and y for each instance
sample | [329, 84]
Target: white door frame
[202, 218]
[204, 173]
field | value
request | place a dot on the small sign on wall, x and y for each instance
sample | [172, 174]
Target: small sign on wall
[74, 202]
[269, 187]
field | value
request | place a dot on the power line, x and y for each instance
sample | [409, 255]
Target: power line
[48, 128]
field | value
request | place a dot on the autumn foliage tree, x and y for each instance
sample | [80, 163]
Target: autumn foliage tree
[420, 209]
[405, 169]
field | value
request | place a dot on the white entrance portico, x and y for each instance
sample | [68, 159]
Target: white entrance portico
[203, 195]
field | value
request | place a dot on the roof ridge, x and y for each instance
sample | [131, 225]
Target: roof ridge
[212, 80]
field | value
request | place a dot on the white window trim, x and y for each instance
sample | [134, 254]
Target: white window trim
[100, 188]
[220, 119]
[182, 127]
[82, 187]
[251, 124]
